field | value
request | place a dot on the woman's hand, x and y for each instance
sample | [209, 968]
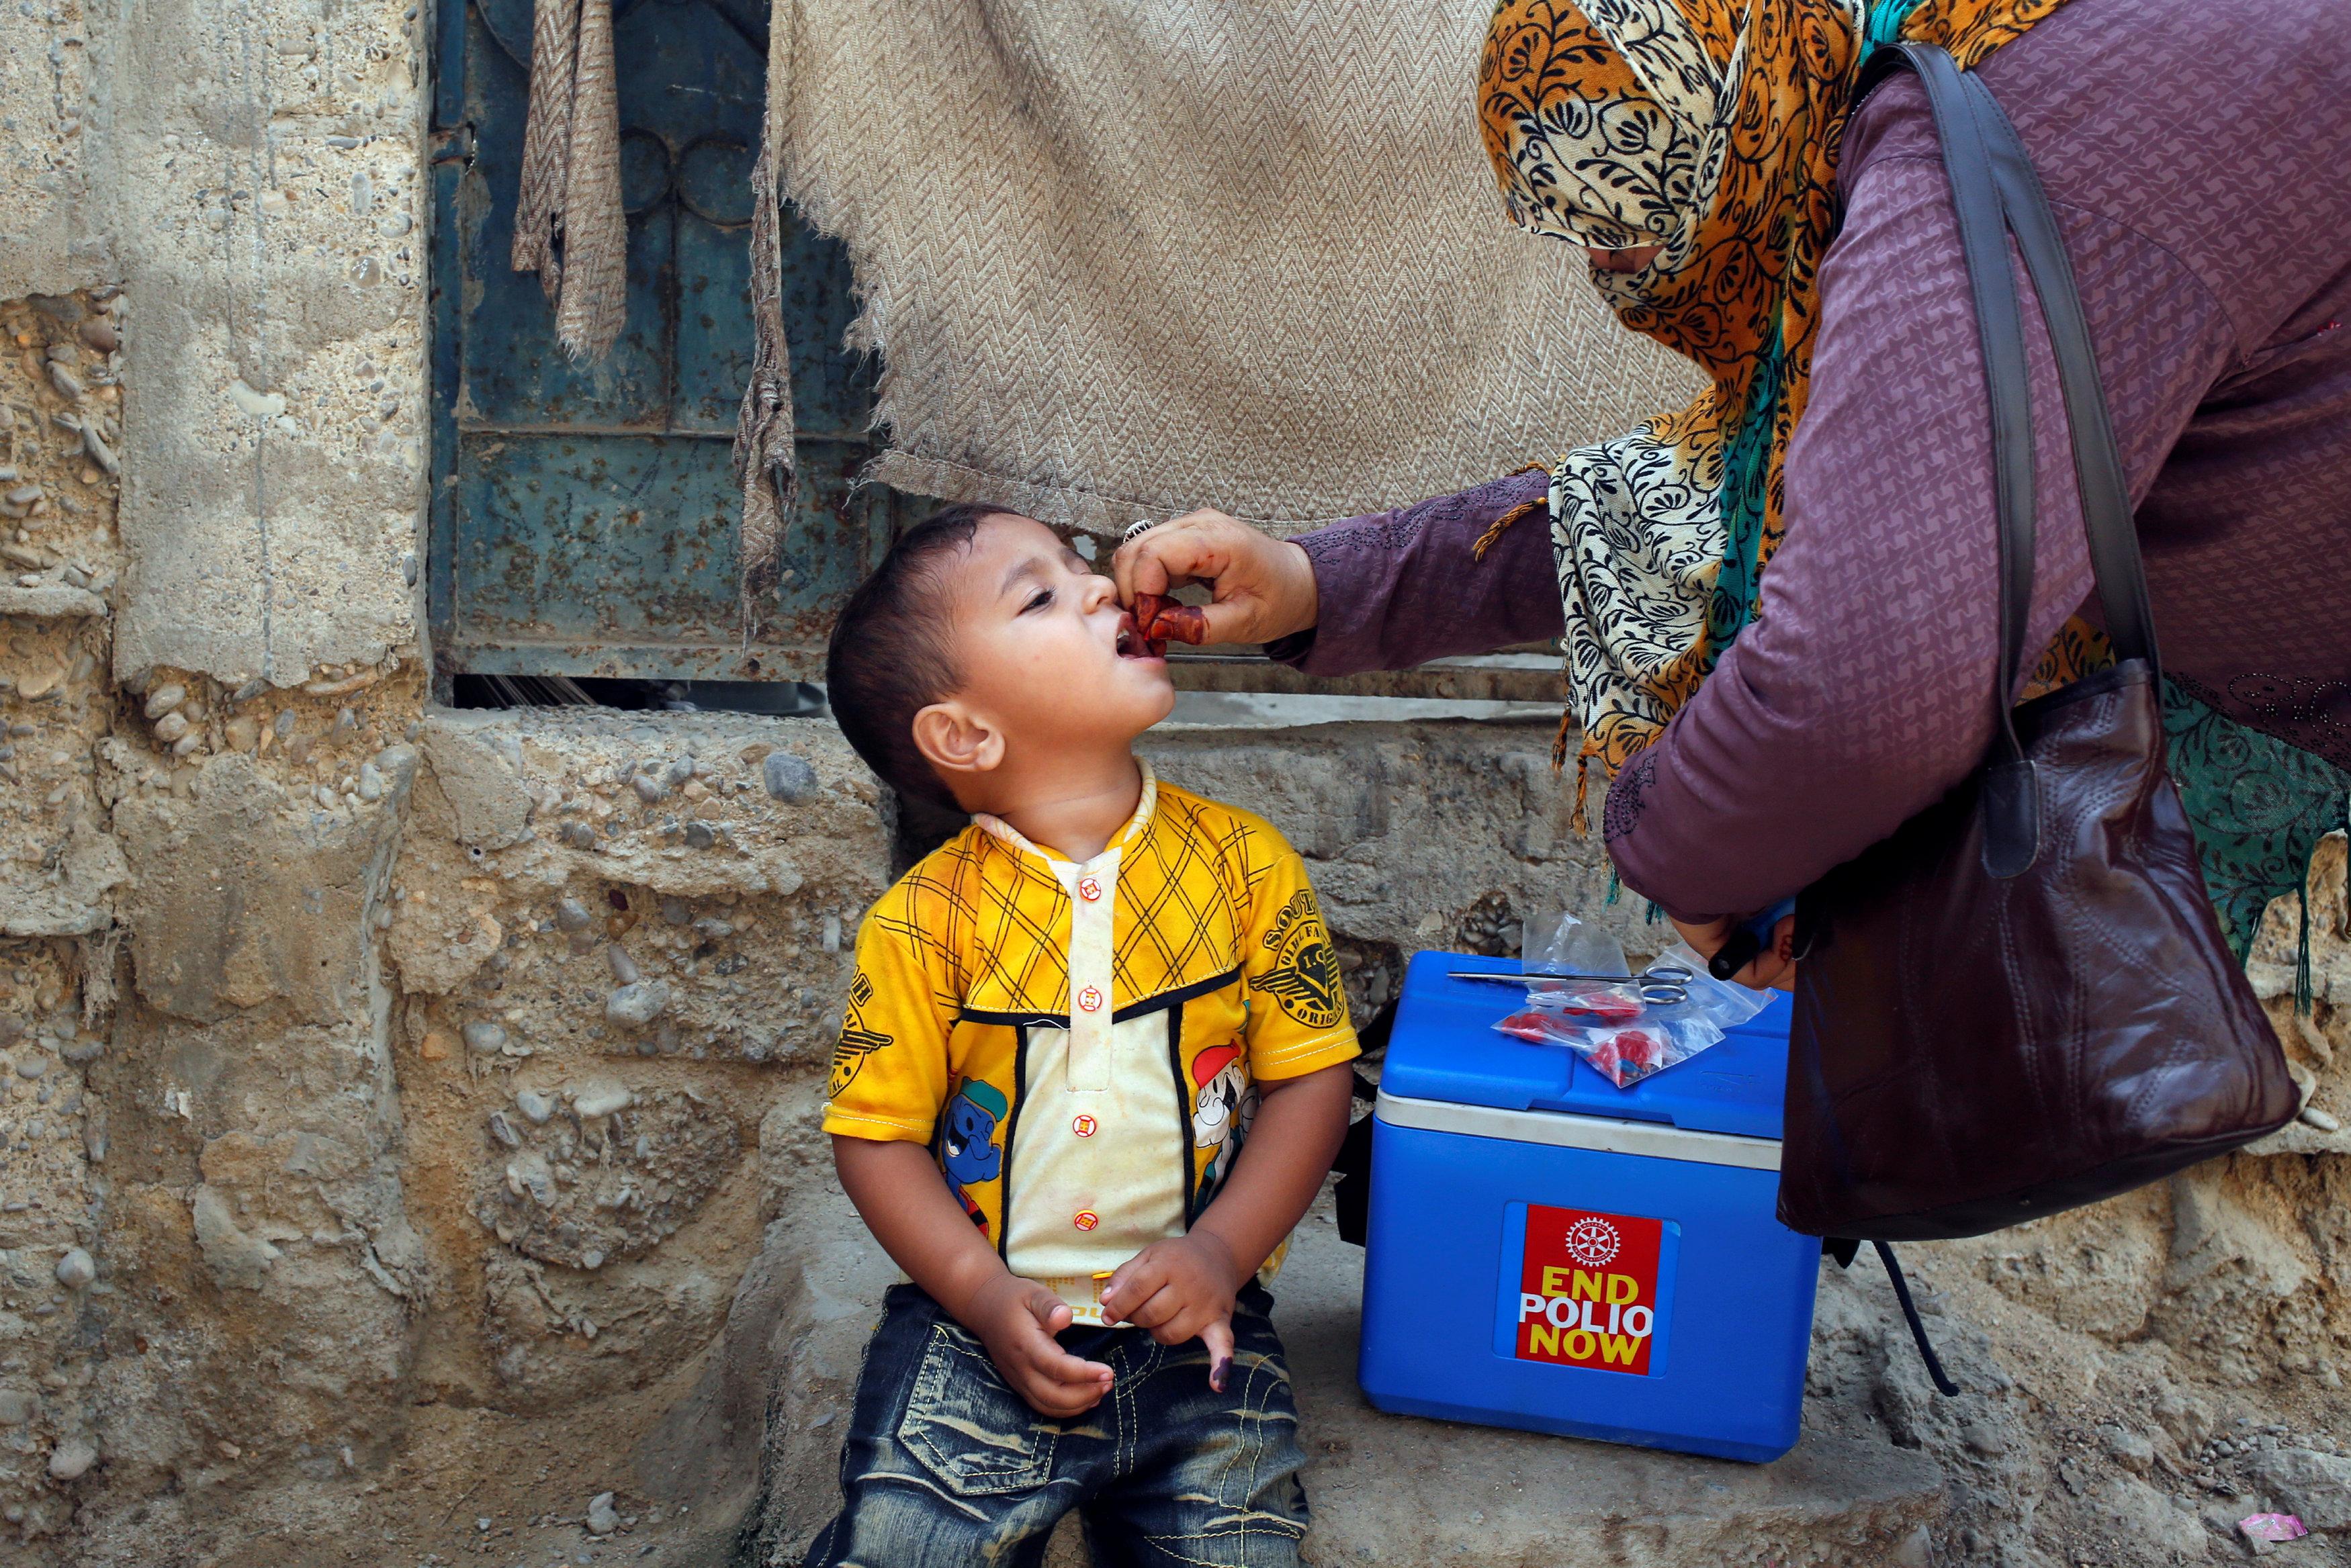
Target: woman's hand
[1263, 586]
[1774, 968]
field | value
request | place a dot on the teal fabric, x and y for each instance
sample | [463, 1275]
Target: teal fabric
[1885, 19]
[2259, 807]
[1746, 475]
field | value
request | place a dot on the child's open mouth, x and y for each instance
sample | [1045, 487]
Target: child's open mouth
[1132, 644]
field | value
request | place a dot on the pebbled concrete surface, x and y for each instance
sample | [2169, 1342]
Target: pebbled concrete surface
[1387, 1491]
[1397, 1489]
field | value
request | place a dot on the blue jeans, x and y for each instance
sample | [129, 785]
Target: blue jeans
[945, 1467]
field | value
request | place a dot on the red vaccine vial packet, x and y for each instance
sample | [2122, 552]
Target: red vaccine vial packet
[1624, 1052]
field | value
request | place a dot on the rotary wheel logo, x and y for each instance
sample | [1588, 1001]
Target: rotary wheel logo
[1594, 1243]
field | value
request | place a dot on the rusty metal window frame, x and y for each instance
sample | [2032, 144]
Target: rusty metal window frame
[556, 608]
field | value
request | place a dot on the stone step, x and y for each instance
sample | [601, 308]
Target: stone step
[1387, 1491]
[1398, 1491]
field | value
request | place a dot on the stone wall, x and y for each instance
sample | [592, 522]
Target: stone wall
[406, 1116]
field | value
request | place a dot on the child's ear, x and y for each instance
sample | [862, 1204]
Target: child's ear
[954, 740]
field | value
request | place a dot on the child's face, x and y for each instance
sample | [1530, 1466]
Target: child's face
[1048, 658]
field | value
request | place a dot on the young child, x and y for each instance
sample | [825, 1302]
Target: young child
[1092, 1072]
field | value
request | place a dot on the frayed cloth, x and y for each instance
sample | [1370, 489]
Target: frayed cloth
[1119, 264]
[569, 225]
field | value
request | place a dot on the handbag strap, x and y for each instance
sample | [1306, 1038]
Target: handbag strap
[1845, 1250]
[1935, 1373]
[2098, 473]
[2000, 330]
[1995, 192]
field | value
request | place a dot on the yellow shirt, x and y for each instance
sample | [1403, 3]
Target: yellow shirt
[1080, 1043]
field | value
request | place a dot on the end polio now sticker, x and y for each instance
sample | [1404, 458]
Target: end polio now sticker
[1591, 1289]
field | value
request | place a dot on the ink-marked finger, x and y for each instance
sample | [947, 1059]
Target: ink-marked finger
[1218, 1338]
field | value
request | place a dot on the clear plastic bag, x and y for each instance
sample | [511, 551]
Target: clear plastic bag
[1624, 1053]
[1622, 1036]
[1589, 1001]
[1629, 1053]
[1570, 946]
[1720, 1003]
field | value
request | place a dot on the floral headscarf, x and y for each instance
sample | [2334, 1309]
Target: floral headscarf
[1711, 128]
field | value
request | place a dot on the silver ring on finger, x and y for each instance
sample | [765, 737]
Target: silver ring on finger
[1137, 529]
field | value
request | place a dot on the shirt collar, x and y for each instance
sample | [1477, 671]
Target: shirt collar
[1013, 839]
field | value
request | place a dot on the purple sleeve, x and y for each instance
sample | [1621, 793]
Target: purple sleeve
[1399, 588]
[1863, 693]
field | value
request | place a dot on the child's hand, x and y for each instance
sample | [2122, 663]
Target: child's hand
[1180, 1289]
[1017, 1320]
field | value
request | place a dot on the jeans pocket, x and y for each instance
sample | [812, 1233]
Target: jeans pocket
[968, 1427]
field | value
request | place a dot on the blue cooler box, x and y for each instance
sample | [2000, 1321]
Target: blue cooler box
[1550, 1251]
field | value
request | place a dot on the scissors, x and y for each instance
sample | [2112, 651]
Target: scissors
[1659, 985]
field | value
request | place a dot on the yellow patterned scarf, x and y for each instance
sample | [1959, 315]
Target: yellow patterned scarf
[1710, 128]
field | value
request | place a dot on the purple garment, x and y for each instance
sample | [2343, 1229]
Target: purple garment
[1403, 587]
[2198, 155]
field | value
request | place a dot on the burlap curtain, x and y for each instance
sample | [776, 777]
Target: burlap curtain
[1128, 257]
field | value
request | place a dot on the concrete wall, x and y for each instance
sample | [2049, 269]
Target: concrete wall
[405, 1116]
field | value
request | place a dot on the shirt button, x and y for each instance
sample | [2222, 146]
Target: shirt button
[1090, 999]
[1089, 888]
[1087, 1220]
[1083, 1126]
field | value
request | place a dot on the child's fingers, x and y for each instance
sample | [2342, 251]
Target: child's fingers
[1051, 1311]
[1188, 1322]
[1137, 1281]
[1156, 1311]
[1036, 1367]
[1218, 1338]
[1052, 1315]
[1058, 1399]
[1058, 1383]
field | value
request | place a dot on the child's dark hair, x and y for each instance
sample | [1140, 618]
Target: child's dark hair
[890, 659]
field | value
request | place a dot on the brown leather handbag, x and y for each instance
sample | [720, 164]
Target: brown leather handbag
[2022, 1001]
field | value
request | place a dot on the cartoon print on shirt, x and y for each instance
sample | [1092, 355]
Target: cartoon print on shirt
[1221, 1114]
[966, 1148]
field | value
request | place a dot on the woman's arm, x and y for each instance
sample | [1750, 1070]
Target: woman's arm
[1399, 588]
[1382, 592]
[1865, 692]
